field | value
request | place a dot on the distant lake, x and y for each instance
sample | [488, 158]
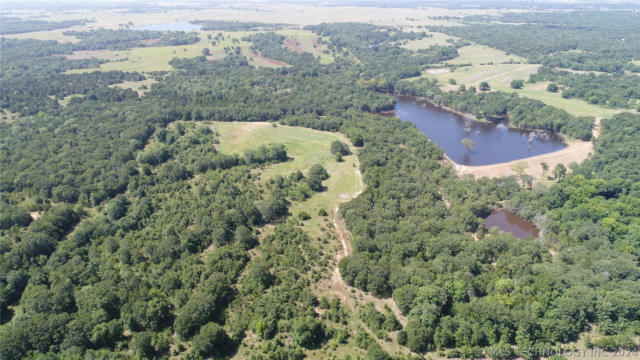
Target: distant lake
[492, 143]
[171, 26]
[512, 223]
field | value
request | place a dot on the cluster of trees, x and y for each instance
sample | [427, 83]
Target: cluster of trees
[615, 91]
[13, 25]
[124, 39]
[379, 48]
[582, 40]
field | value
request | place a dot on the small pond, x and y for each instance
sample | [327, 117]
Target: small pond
[509, 222]
[171, 26]
[492, 143]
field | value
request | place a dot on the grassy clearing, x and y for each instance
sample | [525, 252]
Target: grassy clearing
[141, 87]
[576, 107]
[500, 75]
[499, 78]
[306, 147]
[148, 59]
[67, 99]
[306, 41]
[474, 75]
[480, 54]
[437, 38]
[8, 116]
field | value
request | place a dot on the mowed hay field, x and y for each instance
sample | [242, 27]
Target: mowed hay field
[305, 147]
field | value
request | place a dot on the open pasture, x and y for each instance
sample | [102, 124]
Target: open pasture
[305, 147]
[149, 59]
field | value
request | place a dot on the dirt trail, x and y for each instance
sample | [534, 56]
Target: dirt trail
[336, 285]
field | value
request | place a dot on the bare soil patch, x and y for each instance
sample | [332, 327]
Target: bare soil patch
[90, 54]
[293, 44]
[150, 41]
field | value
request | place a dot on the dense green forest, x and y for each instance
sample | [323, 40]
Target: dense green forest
[151, 243]
[581, 40]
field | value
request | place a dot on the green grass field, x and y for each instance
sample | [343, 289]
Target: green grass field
[157, 58]
[480, 54]
[499, 77]
[576, 107]
[306, 147]
[149, 59]
[437, 38]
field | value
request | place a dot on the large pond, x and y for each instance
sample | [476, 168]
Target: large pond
[171, 26]
[492, 143]
[509, 222]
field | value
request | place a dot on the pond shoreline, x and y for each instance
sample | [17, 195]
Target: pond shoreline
[472, 117]
[447, 128]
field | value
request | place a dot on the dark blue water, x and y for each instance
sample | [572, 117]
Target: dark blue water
[171, 26]
[492, 143]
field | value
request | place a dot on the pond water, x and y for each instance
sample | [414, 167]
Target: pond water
[509, 222]
[492, 143]
[171, 26]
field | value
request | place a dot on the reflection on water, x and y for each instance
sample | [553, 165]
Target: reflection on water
[492, 143]
[509, 222]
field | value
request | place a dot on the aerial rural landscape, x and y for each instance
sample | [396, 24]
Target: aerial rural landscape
[357, 179]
